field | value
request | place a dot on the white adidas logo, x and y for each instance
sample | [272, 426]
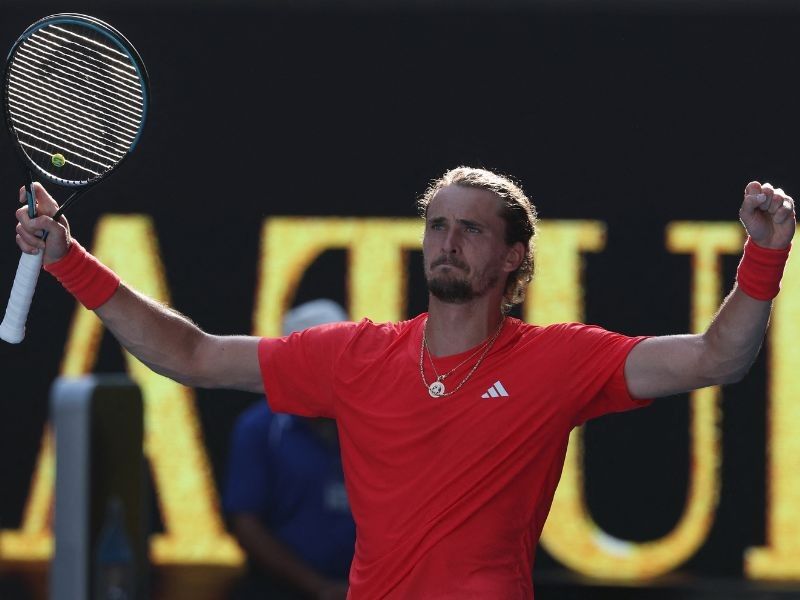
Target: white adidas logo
[495, 391]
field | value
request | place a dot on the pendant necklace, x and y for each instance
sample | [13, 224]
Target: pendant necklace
[437, 388]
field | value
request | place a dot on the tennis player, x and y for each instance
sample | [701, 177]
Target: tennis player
[453, 425]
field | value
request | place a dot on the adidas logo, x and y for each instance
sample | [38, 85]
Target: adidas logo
[495, 391]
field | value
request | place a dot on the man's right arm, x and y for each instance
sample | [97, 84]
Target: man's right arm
[164, 340]
[172, 345]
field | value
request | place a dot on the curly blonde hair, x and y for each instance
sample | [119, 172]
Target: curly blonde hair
[518, 213]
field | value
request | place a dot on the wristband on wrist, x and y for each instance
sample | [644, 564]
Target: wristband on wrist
[82, 275]
[760, 270]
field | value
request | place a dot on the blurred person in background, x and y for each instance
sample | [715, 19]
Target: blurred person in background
[285, 496]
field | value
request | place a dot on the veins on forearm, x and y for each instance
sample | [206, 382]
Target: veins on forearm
[736, 334]
[157, 335]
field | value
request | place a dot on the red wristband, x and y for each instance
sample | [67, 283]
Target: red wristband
[760, 270]
[82, 275]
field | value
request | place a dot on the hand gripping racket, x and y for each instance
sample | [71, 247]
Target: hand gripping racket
[75, 95]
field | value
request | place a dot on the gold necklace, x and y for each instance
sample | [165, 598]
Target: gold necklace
[459, 365]
[436, 388]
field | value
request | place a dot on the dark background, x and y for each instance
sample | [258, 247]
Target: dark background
[635, 114]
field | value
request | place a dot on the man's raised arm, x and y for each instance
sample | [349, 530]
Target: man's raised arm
[161, 338]
[663, 366]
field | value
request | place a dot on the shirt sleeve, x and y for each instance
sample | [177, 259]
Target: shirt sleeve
[299, 370]
[248, 474]
[598, 372]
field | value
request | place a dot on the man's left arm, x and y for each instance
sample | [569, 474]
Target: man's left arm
[662, 366]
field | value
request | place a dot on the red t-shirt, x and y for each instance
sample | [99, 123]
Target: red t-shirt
[449, 494]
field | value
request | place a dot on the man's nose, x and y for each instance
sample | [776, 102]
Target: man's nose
[452, 241]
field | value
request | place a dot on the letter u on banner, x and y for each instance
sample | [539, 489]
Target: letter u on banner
[570, 534]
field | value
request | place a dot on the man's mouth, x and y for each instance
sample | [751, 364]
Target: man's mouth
[448, 262]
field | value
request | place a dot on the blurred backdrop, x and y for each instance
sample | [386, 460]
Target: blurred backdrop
[286, 146]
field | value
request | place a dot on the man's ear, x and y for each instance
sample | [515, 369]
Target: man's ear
[514, 257]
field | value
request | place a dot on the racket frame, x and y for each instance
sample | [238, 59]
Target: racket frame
[122, 43]
[11, 329]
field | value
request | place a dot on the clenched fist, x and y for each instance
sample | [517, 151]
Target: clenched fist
[767, 214]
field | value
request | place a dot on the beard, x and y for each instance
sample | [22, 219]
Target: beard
[452, 289]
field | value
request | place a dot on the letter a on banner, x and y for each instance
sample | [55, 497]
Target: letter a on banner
[194, 530]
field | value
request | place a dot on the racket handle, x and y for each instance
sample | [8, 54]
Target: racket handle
[12, 329]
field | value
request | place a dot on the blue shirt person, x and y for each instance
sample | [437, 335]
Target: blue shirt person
[285, 496]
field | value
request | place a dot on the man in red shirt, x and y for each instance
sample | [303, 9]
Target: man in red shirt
[453, 425]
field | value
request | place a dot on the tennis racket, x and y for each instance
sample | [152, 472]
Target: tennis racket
[75, 95]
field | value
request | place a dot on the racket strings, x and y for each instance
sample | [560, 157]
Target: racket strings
[29, 125]
[73, 154]
[120, 65]
[66, 83]
[118, 85]
[82, 55]
[88, 132]
[75, 101]
[29, 67]
[46, 92]
[69, 131]
[61, 136]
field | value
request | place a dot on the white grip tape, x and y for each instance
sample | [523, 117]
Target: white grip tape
[12, 329]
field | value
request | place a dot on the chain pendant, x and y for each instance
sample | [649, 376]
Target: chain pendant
[436, 389]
